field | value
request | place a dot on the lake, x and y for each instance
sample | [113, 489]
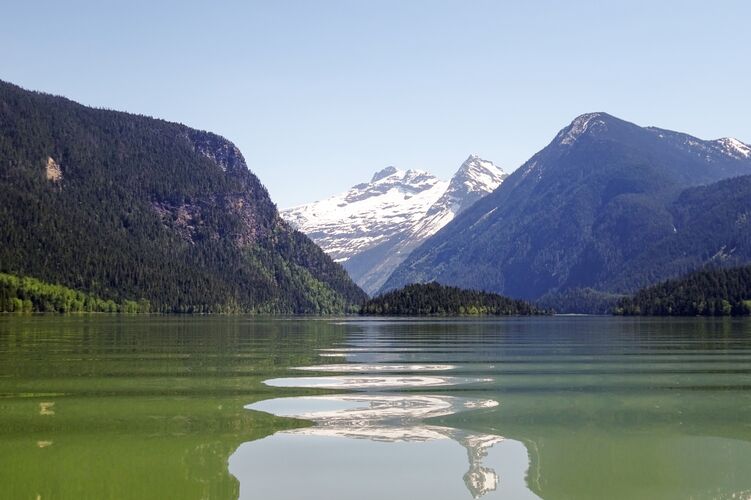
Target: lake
[231, 407]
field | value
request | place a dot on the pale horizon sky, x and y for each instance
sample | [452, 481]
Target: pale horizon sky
[320, 95]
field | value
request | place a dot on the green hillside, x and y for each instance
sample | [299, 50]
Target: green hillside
[127, 207]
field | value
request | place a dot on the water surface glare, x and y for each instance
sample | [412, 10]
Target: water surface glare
[371, 382]
[375, 368]
[224, 407]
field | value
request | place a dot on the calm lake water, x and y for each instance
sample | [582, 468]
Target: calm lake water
[183, 407]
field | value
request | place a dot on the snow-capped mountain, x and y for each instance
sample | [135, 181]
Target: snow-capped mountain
[368, 214]
[474, 179]
[374, 226]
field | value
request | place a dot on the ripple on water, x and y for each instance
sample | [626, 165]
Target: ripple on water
[381, 417]
[375, 368]
[372, 382]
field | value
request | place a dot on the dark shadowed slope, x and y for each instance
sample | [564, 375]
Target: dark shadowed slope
[599, 207]
[129, 207]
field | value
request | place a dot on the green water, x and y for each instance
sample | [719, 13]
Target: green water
[154, 407]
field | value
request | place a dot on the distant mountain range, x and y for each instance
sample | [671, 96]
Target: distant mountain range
[374, 226]
[139, 213]
[126, 207]
[607, 205]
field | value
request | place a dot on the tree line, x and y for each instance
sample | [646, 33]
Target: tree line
[433, 299]
[32, 295]
[709, 292]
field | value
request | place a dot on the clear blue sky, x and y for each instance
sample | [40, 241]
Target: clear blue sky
[320, 94]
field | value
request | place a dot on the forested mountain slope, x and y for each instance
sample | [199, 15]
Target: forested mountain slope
[709, 292]
[128, 207]
[604, 206]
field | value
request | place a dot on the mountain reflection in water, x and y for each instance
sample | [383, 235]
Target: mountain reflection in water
[378, 418]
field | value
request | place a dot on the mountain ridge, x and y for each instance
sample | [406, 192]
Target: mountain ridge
[573, 214]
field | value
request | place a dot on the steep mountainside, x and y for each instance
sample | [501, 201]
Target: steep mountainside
[373, 227]
[127, 207]
[711, 225]
[597, 208]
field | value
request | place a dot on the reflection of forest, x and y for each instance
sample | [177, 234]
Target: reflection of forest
[137, 407]
[393, 418]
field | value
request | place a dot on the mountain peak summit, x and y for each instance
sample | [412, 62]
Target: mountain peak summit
[381, 174]
[588, 123]
[479, 174]
[598, 207]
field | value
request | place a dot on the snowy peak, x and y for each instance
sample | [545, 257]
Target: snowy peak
[368, 213]
[407, 183]
[392, 176]
[383, 173]
[374, 226]
[478, 175]
[474, 179]
[735, 148]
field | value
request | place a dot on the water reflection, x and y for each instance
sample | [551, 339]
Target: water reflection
[375, 368]
[372, 381]
[392, 418]
[380, 417]
[359, 426]
[152, 407]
